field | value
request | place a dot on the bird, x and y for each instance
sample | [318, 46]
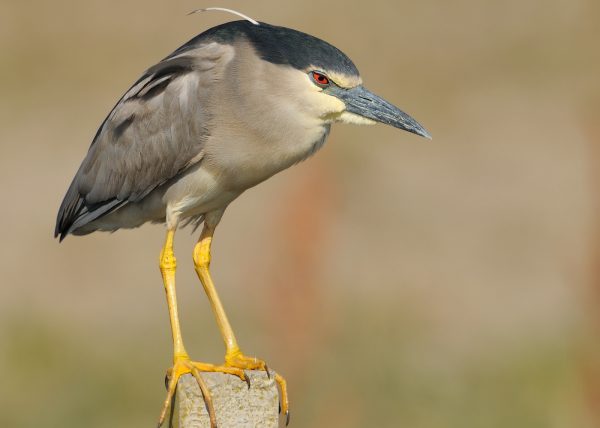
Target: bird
[227, 110]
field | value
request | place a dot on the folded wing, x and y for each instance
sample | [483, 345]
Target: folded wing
[156, 131]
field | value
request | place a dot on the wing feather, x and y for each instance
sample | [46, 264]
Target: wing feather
[156, 131]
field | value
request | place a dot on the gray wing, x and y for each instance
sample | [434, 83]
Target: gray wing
[156, 131]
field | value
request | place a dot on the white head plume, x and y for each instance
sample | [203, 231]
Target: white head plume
[222, 9]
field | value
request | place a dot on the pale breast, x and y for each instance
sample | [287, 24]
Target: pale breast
[242, 159]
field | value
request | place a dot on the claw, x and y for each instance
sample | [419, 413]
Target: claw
[287, 418]
[267, 370]
[247, 379]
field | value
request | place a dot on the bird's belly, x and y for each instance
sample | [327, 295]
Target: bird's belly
[197, 192]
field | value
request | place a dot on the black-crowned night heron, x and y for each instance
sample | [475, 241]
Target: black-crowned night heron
[224, 112]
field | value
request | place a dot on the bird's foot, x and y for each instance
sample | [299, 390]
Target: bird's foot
[183, 365]
[235, 359]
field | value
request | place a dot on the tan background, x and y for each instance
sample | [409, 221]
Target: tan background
[396, 282]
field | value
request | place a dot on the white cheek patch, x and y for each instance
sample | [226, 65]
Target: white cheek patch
[325, 107]
[329, 104]
[354, 119]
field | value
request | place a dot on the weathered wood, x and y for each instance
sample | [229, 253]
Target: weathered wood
[236, 406]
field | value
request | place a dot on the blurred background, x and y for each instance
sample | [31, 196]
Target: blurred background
[395, 281]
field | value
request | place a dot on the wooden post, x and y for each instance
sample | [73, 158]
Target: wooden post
[236, 406]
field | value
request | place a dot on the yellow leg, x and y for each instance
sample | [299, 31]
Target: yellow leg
[168, 265]
[233, 355]
[181, 361]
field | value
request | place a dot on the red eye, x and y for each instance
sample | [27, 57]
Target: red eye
[321, 79]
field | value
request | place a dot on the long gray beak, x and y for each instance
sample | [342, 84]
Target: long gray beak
[364, 103]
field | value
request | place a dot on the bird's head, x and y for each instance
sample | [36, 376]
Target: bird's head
[303, 69]
[285, 74]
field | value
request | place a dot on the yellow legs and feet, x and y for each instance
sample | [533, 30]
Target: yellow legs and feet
[181, 361]
[234, 358]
